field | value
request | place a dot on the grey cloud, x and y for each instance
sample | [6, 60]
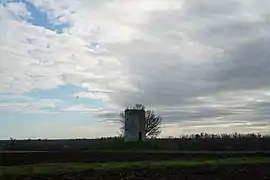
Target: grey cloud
[200, 52]
[248, 65]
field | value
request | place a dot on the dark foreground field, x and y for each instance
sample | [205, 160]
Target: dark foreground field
[158, 159]
[233, 168]
[27, 157]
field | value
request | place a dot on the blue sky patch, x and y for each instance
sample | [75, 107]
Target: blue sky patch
[65, 93]
[40, 17]
[19, 125]
[9, 98]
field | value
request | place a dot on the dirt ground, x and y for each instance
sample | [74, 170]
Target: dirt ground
[237, 172]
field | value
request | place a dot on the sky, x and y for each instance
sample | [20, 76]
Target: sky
[67, 68]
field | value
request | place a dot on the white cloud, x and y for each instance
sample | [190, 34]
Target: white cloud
[214, 126]
[95, 131]
[16, 10]
[80, 108]
[30, 106]
[93, 95]
[45, 129]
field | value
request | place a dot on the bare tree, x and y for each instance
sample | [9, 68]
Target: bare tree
[152, 124]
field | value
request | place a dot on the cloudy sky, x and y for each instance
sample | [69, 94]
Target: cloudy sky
[67, 67]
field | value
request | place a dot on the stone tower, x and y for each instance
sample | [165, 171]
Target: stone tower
[134, 125]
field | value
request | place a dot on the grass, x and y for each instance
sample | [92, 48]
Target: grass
[59, 168]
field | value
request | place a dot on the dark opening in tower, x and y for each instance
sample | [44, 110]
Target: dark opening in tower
[140, 136]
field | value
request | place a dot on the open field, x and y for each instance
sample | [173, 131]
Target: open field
[232, 168]
[229, 143]
[186, 158]
[19, 158]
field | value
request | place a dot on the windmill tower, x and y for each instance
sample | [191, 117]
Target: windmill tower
[134, 125]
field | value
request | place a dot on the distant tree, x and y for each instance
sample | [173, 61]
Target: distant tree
[152, 121]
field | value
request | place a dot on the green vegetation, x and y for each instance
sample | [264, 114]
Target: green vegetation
[59, 168]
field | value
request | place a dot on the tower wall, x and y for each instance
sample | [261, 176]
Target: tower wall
[134, 125]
